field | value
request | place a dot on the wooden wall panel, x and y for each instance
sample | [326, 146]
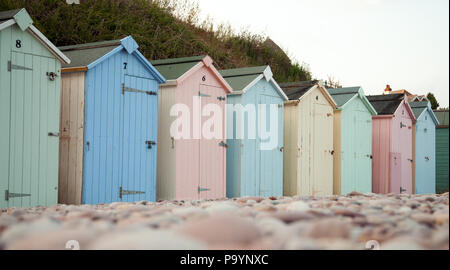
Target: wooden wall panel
[71, 138]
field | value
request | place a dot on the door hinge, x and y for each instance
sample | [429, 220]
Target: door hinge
[123, 192]
[14, 195]
[221, 98]
[11, 66]
[222, 144]
[150, 144]
[202, 189]
[129, 89]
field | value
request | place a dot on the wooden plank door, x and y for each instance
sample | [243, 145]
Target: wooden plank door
[212, 154]
[323, 146]
[34, 126]
[396, 173]
[363, 137]
[271, 161]
[140, 116]
[406, 150]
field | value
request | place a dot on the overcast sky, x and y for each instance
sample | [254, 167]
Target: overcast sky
[371, 43]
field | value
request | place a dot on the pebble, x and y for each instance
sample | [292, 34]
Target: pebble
[300, 222]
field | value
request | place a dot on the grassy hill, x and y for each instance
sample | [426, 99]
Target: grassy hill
[163, 29]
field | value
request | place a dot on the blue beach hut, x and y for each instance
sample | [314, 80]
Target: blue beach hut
[424, 148]
[108, 125]
[254, 163]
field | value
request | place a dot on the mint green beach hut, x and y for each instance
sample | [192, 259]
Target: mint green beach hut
[352, 170]
[30, 86]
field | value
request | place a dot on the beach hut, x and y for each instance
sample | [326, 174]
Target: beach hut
[254, 163]
[352, 141]
[29, 107]
[424, 144]
[192, 145]
[308, 139]
[442, 151]
[109, 122]
[392, 144]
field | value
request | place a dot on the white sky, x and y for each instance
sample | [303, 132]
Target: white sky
[371, 43]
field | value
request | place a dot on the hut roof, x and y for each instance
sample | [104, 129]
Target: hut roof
[386, 104]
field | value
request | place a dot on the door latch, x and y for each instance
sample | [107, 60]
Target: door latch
[150, 144]
[281, 149]
[51, 75]
[53, 134]
[402, 190]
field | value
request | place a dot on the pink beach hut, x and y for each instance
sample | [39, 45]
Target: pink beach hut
[191, 162]
[392, 131]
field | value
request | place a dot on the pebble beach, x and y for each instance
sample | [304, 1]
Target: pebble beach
[355, 221]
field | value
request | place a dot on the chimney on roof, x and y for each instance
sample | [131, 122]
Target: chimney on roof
[388, 90]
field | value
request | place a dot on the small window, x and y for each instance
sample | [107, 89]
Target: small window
[403, 112]
[426, 117]
[425, 130]
[317, 97]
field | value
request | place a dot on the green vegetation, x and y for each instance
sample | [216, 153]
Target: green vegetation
[433, 101]
[163, 29]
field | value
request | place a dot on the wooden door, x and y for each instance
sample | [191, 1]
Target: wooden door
[270, 173]
[139, 140]
[322, 150]
[363, 137]
[34, 126]
[396, 173]
[212, 150]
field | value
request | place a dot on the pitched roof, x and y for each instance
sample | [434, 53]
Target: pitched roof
[239, 78]
[25, 23]
[91, 54]
[401, 91]
[84, 54]
[295, 90]
[343, 95]
[418, 107]
[8, 14]
[443, 117]
[386, 104]
[242, 79]
[174, 68]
